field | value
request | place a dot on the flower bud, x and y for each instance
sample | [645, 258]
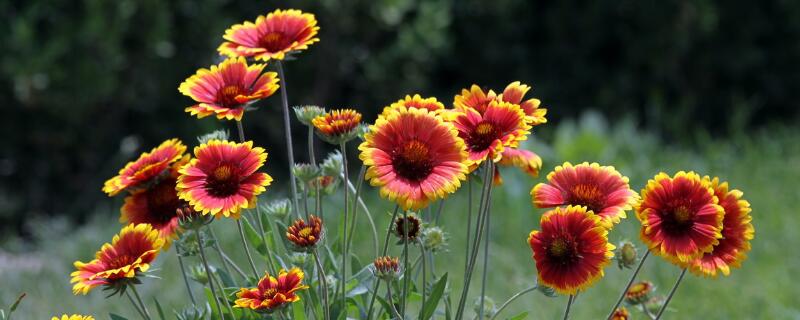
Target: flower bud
[305, 172]
[386, 268]
[407, 227]
[337, 126]
[545, 290]
[434, 239]
[307, 113]
[654, 304]
[305, 236]
[620, 314]
[626, 255]
[639, 292]
[214, 135]
[332, 165]
[298, 258]
[489, 307]
[278, 208]
[198, 273]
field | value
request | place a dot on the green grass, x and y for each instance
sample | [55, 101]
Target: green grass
[765, 164]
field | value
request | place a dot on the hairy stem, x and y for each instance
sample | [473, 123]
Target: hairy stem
[288, 133]
[208, 272]
[514, 297]
[628, 286]
[324, 285]
[246, 248]
[185, 279]
[141, 304]
[671, 294]
[383, 253]
[569, 304]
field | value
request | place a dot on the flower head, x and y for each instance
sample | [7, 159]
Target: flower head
[474, 99]
[639, 292]
[271, 37]
[147, 168]
[129, 254]
[337, 126]
[514, 93]
[737, 231]
[278, 208]
[407, 227]
[434, 239]
[680, 217]
[307, 113]
[528, 161]
[228, 88]
[621, 314]
[386, 268]
[73, 317]
[600, 188]
[303, 235]
[414, 157]
[272, 293]
[416, 101]
[626, 255]
[486, 134]
[571, 249]
[158, 206]
[222, 179]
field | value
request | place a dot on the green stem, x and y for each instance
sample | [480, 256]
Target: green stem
[208, 272]
[246, 248]
[357, 198]
[185, 279]
[486, 255]
[138, 298]
[288, 133]
[628, 286]
[671, 294]
[270, 261]
[385, 249]
[343, 278]
[569, 304]
[223, 257]
[313, 160]
[324, 283]
[407, 271]
[222, 291]
[354, 210]
[514, 297]
[391, 301]
[424, 274]
[135, 306]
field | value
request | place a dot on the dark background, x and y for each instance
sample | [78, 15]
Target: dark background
[87, 85]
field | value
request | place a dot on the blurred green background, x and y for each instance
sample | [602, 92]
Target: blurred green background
[645, 86]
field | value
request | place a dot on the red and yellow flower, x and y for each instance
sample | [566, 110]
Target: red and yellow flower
[337, 126]
[414, 157]
[487, 134]
[737, 231]
[416, 101]
[571, 249]
[600, 188]
[303, 235]
[514, 93]
[620, 314]
[158, 205]
[271, 37]
[639, 292]
[130, 253]
[223, 178]
[146, 169]
[528, 161]
[272, 293]
[73, 317]
[227, 88]
[681, 218]
[474, 98]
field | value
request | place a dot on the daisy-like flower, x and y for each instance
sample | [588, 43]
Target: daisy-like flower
[272, 293]
[73, 317]
[415, 101]
[680, 217]
[571, 250]
[528, 161]
[487, 134]
[414, 157]
[621, 314]
[271, 37]
[409, 222]
[737, 231]
[474, 99]
[228, 88]
[222, 179]
[337, 126]
[303, 235]
[146, 169]
[639, 292]
[130, 253]
[386, 268]
[158, 205]
[514, 93]
[600, 188]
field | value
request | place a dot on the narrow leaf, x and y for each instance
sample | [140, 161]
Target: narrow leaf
[436, 294]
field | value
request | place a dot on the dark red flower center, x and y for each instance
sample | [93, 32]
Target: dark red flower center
[412, 229]
[162, 202]
[563, 250]
[588, 195]
[227, 95]
[274, 41]
[412, 161]
[482, 137]
[223, 181]
[678, 220]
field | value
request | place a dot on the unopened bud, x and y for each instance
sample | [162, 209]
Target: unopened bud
[626, 255]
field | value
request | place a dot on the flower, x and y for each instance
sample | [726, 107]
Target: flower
[434, 239]
[305, 236]
[486, 134]
[157, 206]
[144, 170]
[680, 217]
[416, 101]
[272, 293]
[639, 292]
[271, 37]
[386, 268]
[129, 254]
[337, 126]
[600, 188]
[528, 161]
[414, 227]
[307, 113]
[73, 317]
[414, 157]
[571, 250]
[737, 231]
[222, 179]
[227, 88]
[514, 93]
[626, 255]
[474, 99]
[621, 314]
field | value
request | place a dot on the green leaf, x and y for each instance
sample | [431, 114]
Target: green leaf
[115, 316]
[436, 294]
[297, 312]
[16, 303]
[254, 237]
[520, 316]
[159, 309]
